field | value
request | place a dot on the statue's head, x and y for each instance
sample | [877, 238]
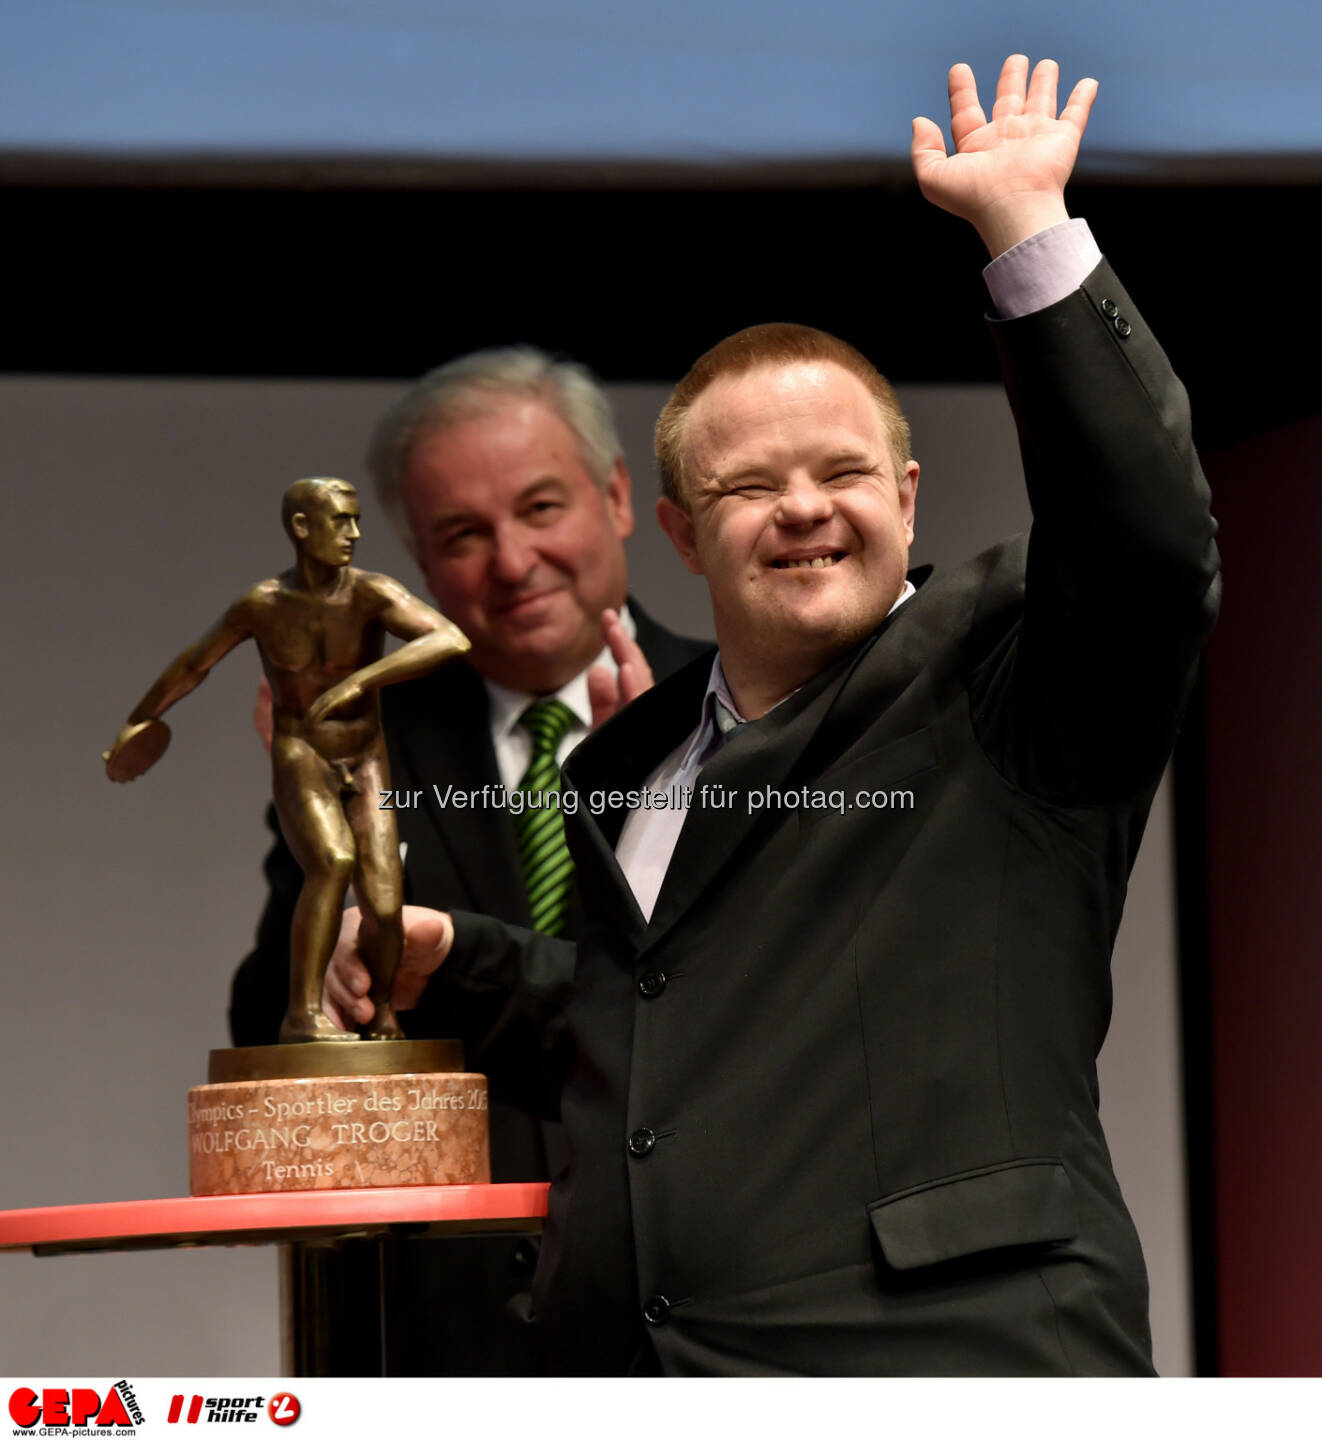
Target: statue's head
[321, 517]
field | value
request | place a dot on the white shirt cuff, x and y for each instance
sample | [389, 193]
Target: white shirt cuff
[1042, 269]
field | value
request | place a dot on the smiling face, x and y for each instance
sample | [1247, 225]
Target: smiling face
[797, 517]
[519, 545]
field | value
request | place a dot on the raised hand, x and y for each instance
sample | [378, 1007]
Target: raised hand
[1007, 175]
[608, 693]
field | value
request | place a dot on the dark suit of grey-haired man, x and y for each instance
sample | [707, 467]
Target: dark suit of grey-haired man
[504, 473]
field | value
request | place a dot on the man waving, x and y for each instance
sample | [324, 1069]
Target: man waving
[827, 1065]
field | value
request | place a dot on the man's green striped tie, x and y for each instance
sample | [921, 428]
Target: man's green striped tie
[548, 872]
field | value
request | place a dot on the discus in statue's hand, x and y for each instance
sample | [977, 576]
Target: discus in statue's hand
[136, 750]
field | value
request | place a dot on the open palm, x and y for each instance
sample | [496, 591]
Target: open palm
[1020, 158]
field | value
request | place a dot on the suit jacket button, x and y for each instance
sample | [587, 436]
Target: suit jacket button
[1110, 309]
[657, 1310]
[1122, 326]
[651, 984]
[641, 1142]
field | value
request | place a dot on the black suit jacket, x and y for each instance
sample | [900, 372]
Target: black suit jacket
[447, 1300]
[834, 1109]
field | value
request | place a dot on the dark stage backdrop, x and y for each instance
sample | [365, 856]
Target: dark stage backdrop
[1264, 859]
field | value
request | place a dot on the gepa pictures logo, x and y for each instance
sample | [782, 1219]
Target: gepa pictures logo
[78, 1410]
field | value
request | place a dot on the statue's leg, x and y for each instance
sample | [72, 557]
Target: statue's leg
[378, 885]
[307, 800]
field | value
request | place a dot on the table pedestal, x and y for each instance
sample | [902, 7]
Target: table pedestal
[370, 1226]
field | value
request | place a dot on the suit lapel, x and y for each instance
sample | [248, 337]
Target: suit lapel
[783, 750]
[624, 752]
[440, 735]
[758, 756]
[788, 747]
[619, 757]
[440, 732]
[881, 671]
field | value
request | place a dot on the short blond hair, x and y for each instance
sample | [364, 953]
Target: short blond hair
[776, 344]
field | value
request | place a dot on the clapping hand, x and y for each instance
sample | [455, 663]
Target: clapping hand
[609, 692]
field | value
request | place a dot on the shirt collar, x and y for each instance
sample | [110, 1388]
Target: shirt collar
[720, 715]
[507, 705]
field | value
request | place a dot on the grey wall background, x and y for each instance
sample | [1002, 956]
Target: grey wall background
[136, 510]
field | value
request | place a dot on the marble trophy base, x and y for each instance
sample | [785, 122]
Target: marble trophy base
[333, 1115]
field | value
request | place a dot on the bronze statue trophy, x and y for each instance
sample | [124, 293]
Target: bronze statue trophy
[323, 1113]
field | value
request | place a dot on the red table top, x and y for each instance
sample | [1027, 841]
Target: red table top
[272, 1218]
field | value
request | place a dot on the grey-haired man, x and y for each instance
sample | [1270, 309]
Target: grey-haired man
[505, 475]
